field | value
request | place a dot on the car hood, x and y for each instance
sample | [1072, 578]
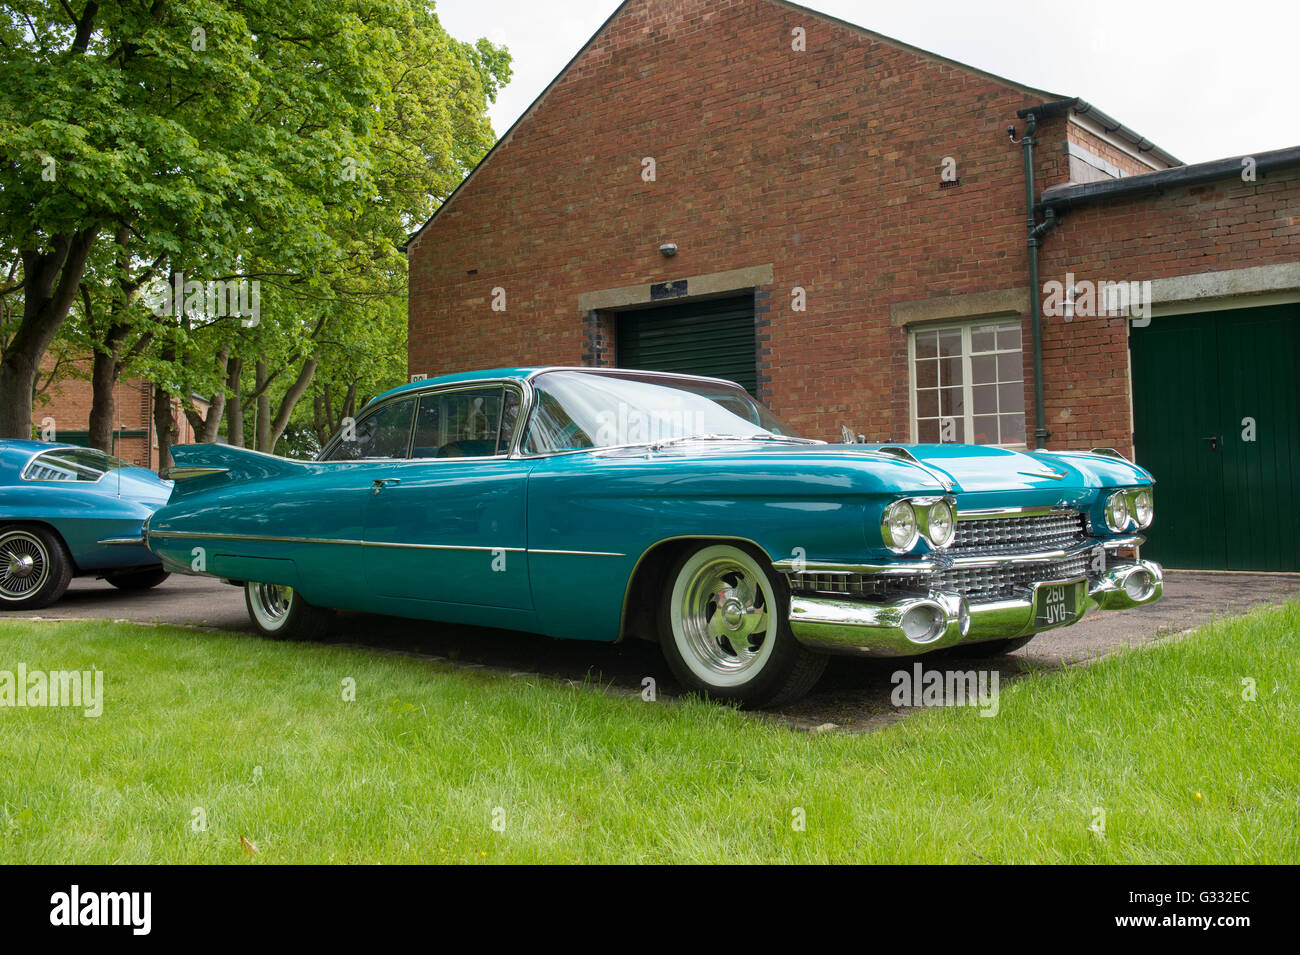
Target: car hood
[989, 473]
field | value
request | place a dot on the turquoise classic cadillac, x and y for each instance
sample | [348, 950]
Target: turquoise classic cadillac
[602, 504]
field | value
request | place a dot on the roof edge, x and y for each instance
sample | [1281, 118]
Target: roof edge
[1067, 196]
[1108, 123]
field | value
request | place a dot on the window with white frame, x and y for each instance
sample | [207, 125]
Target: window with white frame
[968, 383]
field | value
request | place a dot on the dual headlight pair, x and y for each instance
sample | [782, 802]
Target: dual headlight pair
[905, 522]
[1133, 507]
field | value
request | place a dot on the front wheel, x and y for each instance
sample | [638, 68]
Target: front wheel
[724, 631]
[34, 568]
[281, 613]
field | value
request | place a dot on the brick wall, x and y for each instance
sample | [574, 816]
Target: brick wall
[825, 163]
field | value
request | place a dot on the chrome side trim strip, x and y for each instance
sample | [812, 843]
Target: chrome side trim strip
[123, 542]
[258, 538]
[576, 553]
[186, 472]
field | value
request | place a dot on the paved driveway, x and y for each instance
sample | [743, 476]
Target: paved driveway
[854, 694]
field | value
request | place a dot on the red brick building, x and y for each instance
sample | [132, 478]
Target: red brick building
[847, 218]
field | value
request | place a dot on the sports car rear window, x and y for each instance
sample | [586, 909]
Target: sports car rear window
[71, 464]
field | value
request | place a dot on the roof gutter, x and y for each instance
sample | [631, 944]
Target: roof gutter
[1067, 196]
[1109, 124]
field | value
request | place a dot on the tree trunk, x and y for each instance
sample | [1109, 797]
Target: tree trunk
[103, 400]
[291, 399]
[164, 425]
[52, 279]
[263, 422]
[235, 403]
[207, 427]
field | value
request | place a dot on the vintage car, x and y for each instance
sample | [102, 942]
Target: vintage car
[599, 504]
[67, 511]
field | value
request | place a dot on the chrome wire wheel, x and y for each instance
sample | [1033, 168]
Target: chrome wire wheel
[270, 604]
[24, 565]
[720, 616]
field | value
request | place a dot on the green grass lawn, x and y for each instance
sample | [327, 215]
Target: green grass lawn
[258, 736]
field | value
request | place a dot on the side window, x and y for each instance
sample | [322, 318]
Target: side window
[464, 423]
[553, 430]
[71, 464]
[381, 434]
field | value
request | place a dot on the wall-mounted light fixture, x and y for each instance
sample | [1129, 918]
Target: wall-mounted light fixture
[668, 249]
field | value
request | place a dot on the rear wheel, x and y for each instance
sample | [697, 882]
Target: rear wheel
[138, 579]
[724, 631]
[281, 613]
[34, 567]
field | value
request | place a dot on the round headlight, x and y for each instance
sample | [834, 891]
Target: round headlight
[1143, 507]
[1117, 512]
[941, 524]
[898, 527]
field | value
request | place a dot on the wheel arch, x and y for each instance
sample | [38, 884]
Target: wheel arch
[649, 574]
[46, 525]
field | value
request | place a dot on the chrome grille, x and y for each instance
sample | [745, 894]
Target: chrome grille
[976, 584]
[843, 585]
[989, 583]
[998, 535]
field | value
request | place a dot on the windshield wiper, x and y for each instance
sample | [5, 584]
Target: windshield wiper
[658, 445]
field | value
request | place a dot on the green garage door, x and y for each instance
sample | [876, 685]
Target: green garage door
[714, 338]
[1216, 419]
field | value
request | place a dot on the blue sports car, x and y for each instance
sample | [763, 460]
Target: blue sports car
[67, 511]
[600, 504]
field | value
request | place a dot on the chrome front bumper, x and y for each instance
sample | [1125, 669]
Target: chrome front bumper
[915, 625]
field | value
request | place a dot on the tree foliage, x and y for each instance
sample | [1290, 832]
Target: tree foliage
[285, 142]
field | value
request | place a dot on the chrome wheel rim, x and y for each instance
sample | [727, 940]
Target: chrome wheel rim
[721, 618]
[271, 603]
[24, 565]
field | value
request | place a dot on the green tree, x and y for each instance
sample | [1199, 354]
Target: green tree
[279, 141]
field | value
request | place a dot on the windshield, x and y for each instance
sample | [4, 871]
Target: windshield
[577, 410]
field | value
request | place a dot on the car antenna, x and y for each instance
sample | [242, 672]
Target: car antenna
[117, 440]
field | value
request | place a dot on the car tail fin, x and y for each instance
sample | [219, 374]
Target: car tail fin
[204, 467]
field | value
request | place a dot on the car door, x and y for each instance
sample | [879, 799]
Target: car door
[448, 525]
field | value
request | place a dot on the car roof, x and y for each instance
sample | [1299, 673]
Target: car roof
[521, 374]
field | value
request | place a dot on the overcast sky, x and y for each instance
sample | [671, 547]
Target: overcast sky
[1203, 80]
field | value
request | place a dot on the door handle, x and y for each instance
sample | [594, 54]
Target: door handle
[1214, 441]
[381, 483]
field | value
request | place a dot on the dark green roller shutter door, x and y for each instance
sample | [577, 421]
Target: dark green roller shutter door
[714, 338]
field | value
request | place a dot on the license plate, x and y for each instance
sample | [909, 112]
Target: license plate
[1056, 604]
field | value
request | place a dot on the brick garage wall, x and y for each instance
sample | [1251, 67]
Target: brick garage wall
[825, 163]
[1185, 231]
[1099, 147]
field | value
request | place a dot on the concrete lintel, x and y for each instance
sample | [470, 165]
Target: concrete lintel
[629, 295]
[1227, 283]
[1012, 301]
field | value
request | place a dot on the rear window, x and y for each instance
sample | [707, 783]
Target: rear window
[71, 464]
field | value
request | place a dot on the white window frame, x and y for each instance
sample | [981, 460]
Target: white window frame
[968, 396]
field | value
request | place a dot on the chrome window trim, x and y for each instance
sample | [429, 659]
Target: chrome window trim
[416, 394]
[22, 473]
